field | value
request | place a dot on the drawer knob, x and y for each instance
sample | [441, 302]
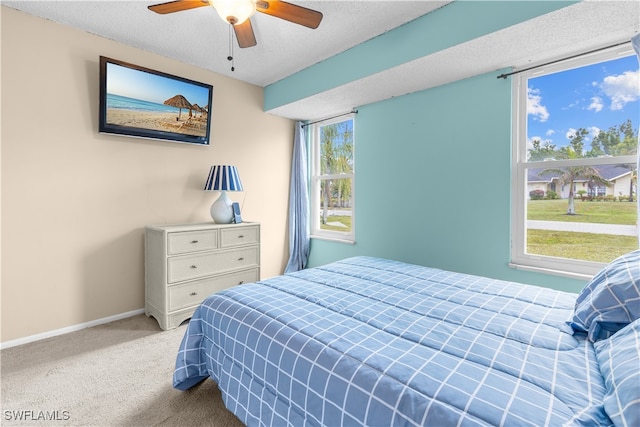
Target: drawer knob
[193, 242]
[193, 294]
[240, 259]
[194, 267]
[240, 282]
[241, 236]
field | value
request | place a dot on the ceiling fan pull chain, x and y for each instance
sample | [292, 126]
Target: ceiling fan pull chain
[230, 57]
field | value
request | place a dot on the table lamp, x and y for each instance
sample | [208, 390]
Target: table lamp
[223, 178]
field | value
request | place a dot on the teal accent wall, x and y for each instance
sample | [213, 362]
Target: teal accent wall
[433, 168]
[433, 182]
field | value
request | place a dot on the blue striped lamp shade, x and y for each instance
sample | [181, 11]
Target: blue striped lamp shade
[223, 178]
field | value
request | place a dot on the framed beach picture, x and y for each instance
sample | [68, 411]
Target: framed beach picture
[139, 102]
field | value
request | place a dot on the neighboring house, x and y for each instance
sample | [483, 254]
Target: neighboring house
[618, 176]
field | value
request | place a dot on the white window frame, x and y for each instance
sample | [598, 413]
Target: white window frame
[316, 231]
[579, 269]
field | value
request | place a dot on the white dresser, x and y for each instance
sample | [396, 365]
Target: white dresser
[186, 263]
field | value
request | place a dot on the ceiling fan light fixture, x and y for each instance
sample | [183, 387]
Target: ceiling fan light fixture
[234, 12]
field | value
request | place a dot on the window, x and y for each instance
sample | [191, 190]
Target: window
[575, 148]
[332, 176]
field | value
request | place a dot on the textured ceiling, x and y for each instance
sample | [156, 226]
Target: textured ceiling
[199, 37]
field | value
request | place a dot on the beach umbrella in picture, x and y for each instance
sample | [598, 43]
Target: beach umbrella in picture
[198, 109]
[179, 102]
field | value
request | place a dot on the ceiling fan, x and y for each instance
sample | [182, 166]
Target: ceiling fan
[238, 12]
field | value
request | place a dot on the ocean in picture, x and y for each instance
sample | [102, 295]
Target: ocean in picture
[137, 113]
[125, 103]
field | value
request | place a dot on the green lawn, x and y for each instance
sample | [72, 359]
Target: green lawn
[344, 220]
[595, 212]
[585, 246]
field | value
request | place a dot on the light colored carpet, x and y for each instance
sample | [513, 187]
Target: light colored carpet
[117, 374]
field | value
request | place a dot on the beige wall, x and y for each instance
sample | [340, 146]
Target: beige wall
[75, 202]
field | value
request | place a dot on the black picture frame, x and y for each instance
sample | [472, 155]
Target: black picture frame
[140, 102]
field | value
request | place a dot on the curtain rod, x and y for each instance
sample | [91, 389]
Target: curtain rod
[505, 75]
[354, 111]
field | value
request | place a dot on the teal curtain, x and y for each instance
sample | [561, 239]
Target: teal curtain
[298, 204]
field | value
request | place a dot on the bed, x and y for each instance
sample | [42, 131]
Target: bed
[370, 341]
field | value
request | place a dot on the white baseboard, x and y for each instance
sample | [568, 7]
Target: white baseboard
[68, 329]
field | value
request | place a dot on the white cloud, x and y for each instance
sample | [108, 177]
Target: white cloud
[622, 89]
[593, 131]
[534, 106]
[550, 132]
[572, 105]
[570, 133]
[596, 104]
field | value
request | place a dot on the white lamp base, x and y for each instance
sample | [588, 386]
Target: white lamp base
[221, 210]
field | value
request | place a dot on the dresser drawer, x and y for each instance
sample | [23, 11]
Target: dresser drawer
[185, 263]
[191, 241]
[186, 267]
[239, 236]
[193, 293]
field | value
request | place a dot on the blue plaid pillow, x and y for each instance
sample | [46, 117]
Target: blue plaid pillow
[611, 300]
[619, 359]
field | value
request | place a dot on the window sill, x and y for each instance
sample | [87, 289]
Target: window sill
[333, 239]
[569, 274]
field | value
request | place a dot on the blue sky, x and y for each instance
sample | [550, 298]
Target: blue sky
[595, 98]
[151, 87]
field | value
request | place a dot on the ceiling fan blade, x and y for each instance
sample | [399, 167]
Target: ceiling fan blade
[177, 6]
[290, 12]
[244, 34]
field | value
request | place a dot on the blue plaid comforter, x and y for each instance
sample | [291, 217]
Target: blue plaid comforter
[367, 341]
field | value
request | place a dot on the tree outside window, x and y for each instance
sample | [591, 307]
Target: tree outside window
[332, 179]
